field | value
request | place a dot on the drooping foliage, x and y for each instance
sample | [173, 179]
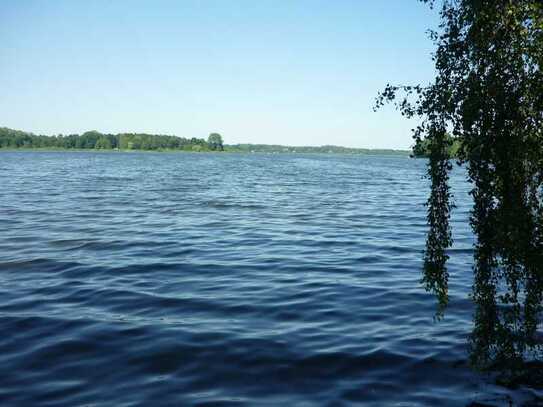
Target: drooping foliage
[488, 94]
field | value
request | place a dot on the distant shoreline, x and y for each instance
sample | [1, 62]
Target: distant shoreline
[17, 140]
[227, 150]
[328, 149]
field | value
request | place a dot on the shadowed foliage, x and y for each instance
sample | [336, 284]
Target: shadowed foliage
[488, 95]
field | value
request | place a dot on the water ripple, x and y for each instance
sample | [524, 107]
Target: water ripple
[226, 279]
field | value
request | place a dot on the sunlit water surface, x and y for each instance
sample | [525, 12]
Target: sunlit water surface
[226, 279]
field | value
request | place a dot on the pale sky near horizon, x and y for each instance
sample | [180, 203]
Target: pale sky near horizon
[299, 72]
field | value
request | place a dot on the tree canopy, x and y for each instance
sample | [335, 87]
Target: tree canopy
[215, 142]
[95, 140]
[488, 94]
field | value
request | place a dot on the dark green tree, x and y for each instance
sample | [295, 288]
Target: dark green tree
[488, 93]
[215, 142]
[103, 143]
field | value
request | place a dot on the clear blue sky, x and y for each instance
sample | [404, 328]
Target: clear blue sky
[295, 72]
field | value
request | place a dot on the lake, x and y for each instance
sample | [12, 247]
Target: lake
[226, 280]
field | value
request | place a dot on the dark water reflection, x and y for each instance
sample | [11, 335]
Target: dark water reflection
[202, 279]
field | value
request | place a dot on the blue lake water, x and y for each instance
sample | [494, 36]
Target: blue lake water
[226, 280]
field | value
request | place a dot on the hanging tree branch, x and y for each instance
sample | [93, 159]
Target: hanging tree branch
[488, 94]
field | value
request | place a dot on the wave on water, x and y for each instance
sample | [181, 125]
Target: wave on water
[135, 279]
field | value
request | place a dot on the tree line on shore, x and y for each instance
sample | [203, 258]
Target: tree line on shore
[94, 140]
[328, 149]
[10, 138]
